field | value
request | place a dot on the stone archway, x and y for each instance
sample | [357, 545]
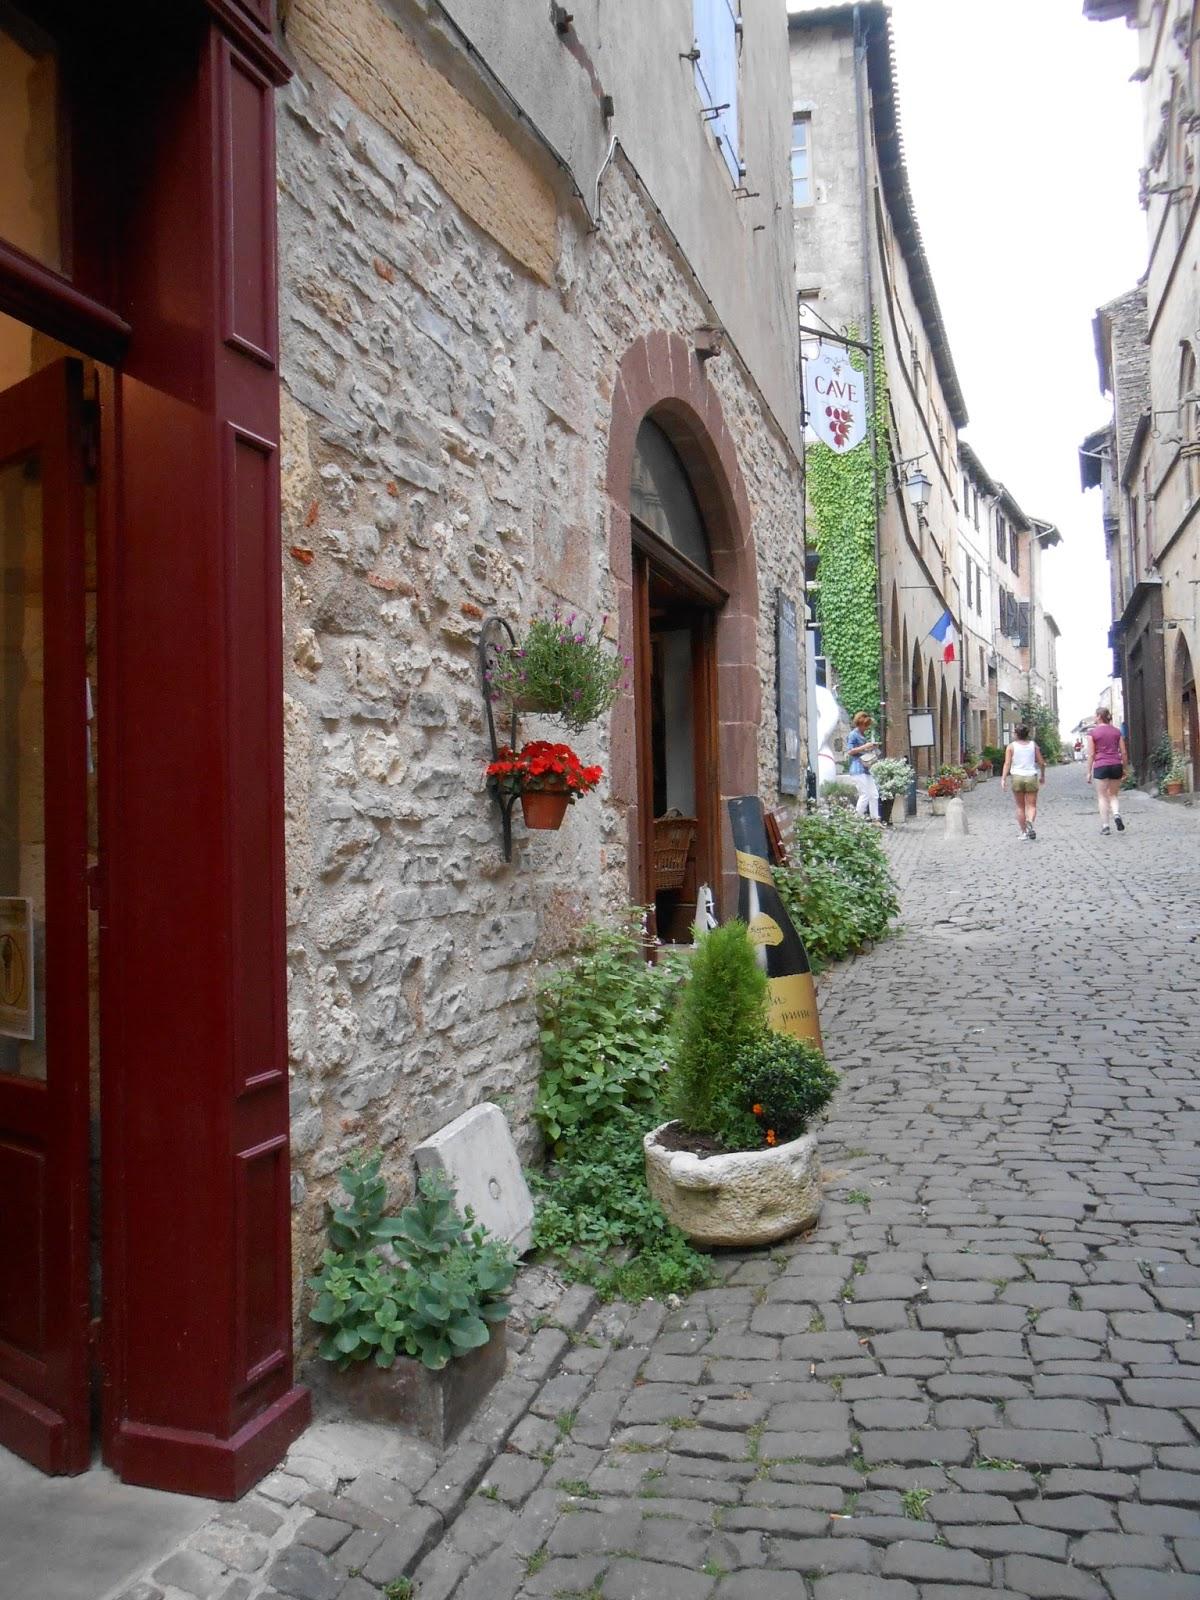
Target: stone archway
[661, 378]
[931, 701]
[955, 745]
[1183, 710]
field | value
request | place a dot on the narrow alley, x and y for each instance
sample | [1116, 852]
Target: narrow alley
[979, 1374]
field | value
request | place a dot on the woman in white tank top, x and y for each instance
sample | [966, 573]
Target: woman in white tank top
[1026, 768]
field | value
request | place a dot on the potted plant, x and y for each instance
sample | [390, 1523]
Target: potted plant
[941, 790]
[839, 792]
[1175, 775]
[562, 668]
[547, 777]
[983, 769]
[892, 776]
[736, 1164]
[411, 1307]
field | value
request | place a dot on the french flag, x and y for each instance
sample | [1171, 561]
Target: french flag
[946, 635]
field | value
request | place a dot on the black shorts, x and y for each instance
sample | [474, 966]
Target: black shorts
[1117, 771]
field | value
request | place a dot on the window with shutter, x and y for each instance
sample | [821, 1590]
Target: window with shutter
[1014, 550]
[717, 36]
[1023, 624]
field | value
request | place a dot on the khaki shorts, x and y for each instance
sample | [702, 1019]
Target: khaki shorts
[1023, 785]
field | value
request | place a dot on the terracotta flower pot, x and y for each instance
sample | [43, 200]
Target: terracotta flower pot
[1173, 788]
[544, 808]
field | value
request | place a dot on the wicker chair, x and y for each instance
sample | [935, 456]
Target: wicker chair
[674, 835]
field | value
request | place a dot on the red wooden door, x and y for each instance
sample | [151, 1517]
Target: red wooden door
[44, 1000]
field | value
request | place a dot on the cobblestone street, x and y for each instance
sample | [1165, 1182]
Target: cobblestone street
[978, 1376]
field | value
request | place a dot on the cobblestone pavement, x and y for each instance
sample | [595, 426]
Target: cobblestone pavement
[977, 1377]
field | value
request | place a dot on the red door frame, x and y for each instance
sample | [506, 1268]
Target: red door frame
[175, 284]
[44, 1138]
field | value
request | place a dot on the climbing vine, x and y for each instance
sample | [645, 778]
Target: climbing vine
[842, 495]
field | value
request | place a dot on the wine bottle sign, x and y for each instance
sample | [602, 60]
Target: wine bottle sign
[792, 997]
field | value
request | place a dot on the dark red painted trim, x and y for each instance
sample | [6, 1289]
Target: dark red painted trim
[46, 300]
[198, 1463]
[253, 37]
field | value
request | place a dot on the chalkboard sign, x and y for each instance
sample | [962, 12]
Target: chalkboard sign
[787, 679]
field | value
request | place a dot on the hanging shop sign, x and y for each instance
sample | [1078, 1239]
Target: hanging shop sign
[835, 398]
[787, 670]
[16, 967]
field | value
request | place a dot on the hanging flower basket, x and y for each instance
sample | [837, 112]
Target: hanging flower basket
[547, 777]
[544, 808]
[562, 668]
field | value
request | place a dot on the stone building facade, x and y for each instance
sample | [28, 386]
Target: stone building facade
[1113, 460]
[479, 309]
[1157, 575]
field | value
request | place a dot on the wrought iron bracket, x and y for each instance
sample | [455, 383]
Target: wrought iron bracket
[495, 638]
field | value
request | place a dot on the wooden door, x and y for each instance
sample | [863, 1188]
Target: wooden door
[44, 982]
[1191, 715]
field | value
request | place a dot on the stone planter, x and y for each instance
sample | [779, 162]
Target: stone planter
[937, 805]
[748, 1198]
[407, 1395]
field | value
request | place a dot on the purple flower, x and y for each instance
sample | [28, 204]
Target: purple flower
[578, 638]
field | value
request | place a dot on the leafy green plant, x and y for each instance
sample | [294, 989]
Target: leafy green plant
[723, 1007]
[994, 754]
[432, 1296]
[839, 792]
[842, 492]
[597, 1217]
[779, 1084]
[1043, 727]
[603, 1018]
[892, 775]
[1175, 772]
[562, 668]
[914, 1501]
[838, 890]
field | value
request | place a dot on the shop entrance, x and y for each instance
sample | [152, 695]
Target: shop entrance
[676, 603]
[47, 947]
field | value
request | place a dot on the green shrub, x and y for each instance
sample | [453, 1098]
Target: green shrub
[840, 792]
[1043, 728]
[603, 1018]
[722, 1007]
[434, 1301]
[780, 1084]
[838, 891]
[994, 754]
[597, 1217]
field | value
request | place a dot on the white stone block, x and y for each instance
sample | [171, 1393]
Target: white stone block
[956, 819]
[477, 1155]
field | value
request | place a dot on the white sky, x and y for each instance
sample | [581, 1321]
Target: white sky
[1023, 142]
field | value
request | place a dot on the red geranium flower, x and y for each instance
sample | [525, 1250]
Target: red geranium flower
[542, 765]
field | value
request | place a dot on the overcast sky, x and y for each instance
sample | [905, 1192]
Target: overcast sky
[1023, 141]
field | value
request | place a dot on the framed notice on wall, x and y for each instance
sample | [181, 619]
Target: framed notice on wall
[16, 967]
[787, 679]
[920, 730]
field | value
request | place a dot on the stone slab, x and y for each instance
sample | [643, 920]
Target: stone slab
[477, 1155]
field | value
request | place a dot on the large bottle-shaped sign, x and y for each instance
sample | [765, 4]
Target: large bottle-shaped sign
[793, 1000]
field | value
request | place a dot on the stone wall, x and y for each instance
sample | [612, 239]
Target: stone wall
[446, 420]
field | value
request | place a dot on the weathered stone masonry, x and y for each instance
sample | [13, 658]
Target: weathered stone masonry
[446, 422]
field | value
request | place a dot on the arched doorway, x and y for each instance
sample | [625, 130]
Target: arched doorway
[945, 738]
[660, 380]
[1183, 684]
[676, 601]
[956, 739]
[931, 700]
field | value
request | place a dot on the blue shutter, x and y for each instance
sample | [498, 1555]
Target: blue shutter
[716, 32]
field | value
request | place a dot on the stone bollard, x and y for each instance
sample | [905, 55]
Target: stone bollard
[956, 819]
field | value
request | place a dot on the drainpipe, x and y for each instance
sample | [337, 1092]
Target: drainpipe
[860, 116]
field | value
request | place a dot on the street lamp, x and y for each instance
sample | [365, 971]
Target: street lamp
[918, 486]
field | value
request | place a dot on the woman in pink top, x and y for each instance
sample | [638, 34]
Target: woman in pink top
[1108, 760]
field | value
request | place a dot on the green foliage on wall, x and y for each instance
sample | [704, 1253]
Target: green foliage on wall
[841, 495]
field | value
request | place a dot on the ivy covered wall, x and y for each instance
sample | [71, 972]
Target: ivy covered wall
[842, 493]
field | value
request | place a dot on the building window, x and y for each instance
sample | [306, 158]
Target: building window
[802, 193]
[31, 179]
[1001, 537]
[717, 36]
[968, 580]
[1187, 420]
[979, 591]
[1014, 550]
[982, 669]
[975, 508]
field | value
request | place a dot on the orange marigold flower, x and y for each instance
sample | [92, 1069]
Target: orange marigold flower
[771, 1136]
[757, 1110]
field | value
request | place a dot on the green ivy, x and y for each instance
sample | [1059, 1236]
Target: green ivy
[842, 495]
